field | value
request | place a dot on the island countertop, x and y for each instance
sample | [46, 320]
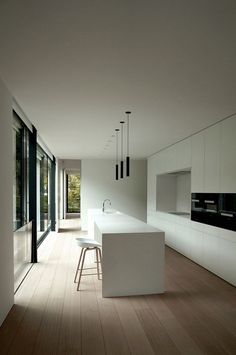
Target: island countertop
[117, 222]
[133, 255]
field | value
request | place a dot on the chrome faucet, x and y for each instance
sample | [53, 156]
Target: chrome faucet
[103, 205]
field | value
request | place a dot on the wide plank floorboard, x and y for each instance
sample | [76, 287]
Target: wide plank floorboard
[196, 315]
[113, 333]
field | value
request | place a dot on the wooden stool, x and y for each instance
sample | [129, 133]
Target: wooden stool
[88, 244]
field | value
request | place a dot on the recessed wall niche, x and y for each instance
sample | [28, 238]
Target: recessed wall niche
[173, 192]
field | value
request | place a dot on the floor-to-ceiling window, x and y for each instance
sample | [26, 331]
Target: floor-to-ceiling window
[33, 196]
[20, 174]
[21, 225]
[73, 193]
[44, 171]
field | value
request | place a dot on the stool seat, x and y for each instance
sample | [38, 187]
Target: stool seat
[88, 243]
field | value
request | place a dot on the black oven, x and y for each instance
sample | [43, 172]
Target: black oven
[214, 209]
[196, 207]
[205, 208]
[227, 211]
[211, 203]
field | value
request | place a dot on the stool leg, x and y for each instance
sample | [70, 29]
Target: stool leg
[80, 257]
[95, 256]
[81, 269]
[100, 257]
[97, 261]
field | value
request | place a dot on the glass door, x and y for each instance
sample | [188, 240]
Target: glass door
[73, 193]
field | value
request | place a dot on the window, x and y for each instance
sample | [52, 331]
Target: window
[33, 190]
[73, 193]
[21, 226]
[20, 174]
[44, 170]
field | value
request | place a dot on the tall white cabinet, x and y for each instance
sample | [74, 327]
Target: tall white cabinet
[197, 163]
[212, 146]
[228, 156]
[211, 156]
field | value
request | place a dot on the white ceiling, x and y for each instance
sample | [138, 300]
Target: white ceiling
[75, 66]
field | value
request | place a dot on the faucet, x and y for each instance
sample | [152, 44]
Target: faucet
[103, 204]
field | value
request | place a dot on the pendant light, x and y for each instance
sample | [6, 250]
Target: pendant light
[117, 153]
[122, 150]
[127, 148]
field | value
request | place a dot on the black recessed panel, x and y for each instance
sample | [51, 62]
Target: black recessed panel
[214, 209]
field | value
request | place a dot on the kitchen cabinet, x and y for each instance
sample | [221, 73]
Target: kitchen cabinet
[197, 173]
[212, 159]
[228, 156]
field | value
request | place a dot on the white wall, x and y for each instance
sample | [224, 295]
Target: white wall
[173, 192]
[128, 195]
[211, 156]
[166, 193]
[71, 165]
[183, 192]
[6, 218]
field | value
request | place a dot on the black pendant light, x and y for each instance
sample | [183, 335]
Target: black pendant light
[122, 150]
[127, 148]
[117, 153]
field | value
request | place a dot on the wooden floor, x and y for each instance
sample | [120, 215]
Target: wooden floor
[196, 315]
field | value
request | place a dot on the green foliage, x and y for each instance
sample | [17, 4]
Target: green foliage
[73, 193]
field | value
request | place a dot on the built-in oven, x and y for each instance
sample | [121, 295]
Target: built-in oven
[214, 209]
[196, 206]
[205, 208]
[210, 203]
[227, 211]
[210, 208]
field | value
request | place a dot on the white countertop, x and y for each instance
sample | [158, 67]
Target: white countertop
[119, 223]
[133, 252]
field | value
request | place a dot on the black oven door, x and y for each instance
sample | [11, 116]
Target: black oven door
[227, 211]
[211, 203]
[205, 208]
[211, 209]
[196, 207]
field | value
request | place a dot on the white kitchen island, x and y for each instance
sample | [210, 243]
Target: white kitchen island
[133, 255]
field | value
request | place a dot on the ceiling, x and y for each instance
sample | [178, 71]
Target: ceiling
[76, 66]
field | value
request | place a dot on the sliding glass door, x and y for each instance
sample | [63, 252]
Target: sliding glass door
[22, 229]
[44, 171]
[73, 193]
[33, 195]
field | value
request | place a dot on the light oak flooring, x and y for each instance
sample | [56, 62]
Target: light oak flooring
[196, 315]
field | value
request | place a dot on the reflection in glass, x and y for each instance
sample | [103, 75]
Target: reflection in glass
[20, 174]
[22, 252]
[43, 192]
[21, 226]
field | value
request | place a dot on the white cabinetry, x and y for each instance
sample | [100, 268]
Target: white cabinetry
[211, 247]
[183, 154]
[211, 252]
[167, 160]
[212, 159]
[227, 260]
[197, 173]
[228, 156]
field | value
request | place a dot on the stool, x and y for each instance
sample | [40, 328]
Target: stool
[88, 244]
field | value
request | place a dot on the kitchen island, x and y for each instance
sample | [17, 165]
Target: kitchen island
[133, 255]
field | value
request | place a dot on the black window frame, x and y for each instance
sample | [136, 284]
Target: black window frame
[22, 155]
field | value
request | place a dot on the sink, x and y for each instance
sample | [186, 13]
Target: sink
[110, 211]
